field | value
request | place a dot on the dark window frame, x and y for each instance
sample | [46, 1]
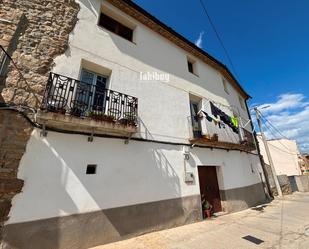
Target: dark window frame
[115, 27]
[191, 67]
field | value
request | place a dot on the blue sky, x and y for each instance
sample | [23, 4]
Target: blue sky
[268, 42]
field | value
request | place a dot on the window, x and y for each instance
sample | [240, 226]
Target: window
[195, 107]
[191, 66]
[91, 169]
[225, 86]
[115, 27]
[91, 93]
[242, 103]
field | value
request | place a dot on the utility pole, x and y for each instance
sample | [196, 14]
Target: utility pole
[273, 171]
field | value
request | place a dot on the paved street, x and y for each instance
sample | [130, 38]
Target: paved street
[283, 223]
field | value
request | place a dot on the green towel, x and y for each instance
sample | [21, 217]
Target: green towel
[234, 121]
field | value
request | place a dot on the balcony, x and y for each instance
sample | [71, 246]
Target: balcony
[207, 133]
[71, 105]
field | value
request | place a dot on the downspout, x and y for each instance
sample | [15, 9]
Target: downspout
[259, 153]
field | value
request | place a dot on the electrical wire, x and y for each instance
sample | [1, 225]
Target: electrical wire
[218, 37]
[273, 126]
[288, 152]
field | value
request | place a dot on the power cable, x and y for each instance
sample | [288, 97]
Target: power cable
[218, 37]
[288, 152]
[274, 126]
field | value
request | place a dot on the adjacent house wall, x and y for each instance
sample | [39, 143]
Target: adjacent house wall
[33, 34]
[284, 154]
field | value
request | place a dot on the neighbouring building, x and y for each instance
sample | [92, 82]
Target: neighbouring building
[113, 126]
[285, 156]
[304, 163]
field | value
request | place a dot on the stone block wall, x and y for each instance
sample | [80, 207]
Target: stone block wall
[33, 32]
[44, 35]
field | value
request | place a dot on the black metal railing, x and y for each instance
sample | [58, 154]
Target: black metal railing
[70, 96]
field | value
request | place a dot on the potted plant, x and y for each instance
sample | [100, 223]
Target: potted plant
[108, 118]
[214, 137]
[128, 119]
[100, 116]
[207, 208]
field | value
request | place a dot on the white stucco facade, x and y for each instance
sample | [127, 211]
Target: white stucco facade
[54, 167]
[56, 184]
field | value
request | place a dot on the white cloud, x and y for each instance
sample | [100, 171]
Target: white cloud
[290, 115]
[199, 41]
[285, 102]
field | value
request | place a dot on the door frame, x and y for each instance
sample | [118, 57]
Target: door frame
[198, 122]
[219, 181]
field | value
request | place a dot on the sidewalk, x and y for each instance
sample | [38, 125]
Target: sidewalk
[284, 223]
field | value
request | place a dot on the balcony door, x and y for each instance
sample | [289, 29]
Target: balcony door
[196, 124]
[96, 85]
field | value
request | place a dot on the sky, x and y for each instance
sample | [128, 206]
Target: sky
[268, 42]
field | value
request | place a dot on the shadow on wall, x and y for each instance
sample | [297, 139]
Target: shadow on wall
[56, 185]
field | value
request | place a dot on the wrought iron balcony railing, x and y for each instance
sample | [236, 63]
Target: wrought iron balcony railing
[70, 96]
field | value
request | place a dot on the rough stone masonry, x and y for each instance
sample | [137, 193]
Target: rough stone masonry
[33, 32]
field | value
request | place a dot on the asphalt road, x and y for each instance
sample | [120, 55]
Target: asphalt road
[283, 223]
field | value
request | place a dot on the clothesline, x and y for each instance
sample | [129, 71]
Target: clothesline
[231, 109]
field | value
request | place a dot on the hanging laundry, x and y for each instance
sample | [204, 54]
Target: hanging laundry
[215, 110]
[234, 121]
[226, 119]
[235, 129]
[207, 116]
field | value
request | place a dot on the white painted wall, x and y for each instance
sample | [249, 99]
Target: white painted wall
[56, 184]
[163, 107]
[284, 154]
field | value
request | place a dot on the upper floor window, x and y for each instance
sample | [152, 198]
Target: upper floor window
[195, 107]
[192, 66]
[242, 103]
[115, 27]
[225, 86]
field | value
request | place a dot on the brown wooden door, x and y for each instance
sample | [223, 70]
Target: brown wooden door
[209, 186]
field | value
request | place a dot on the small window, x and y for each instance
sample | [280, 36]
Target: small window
[192, 66]
[242, 103]
[91, 169]
[225, 86]
[115, 27]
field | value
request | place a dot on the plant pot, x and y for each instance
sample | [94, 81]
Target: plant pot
[214, 137]
[123, 121]
[207, 213]
[206, 137]
[61, 111]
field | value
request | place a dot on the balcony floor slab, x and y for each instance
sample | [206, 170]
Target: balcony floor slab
[221, 144]
[69, 123]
